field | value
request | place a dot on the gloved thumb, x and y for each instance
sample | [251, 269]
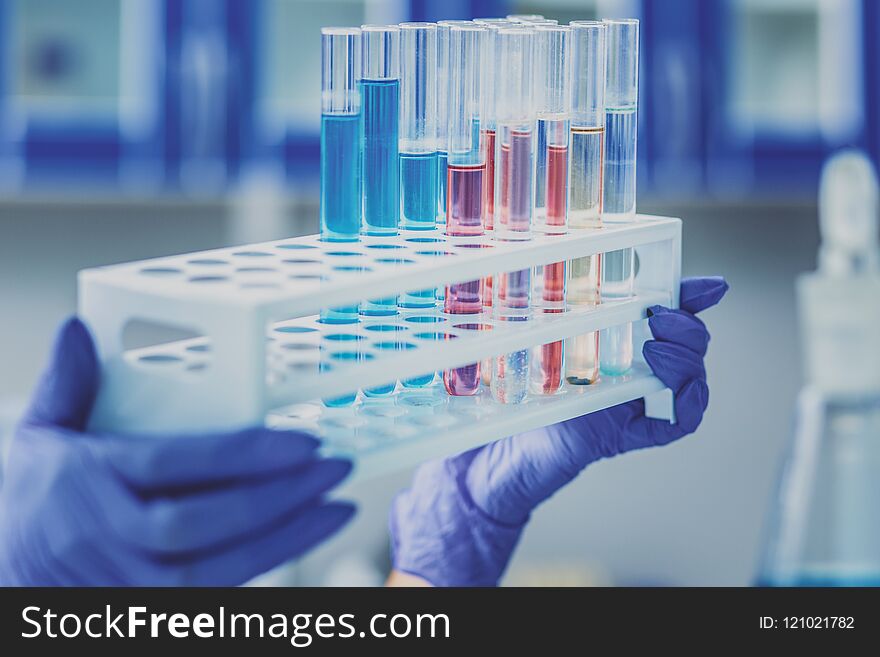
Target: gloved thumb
[66, 392]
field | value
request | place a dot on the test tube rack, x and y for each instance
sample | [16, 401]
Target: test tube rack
[258, 357]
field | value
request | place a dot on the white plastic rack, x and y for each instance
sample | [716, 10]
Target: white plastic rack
[262, 353]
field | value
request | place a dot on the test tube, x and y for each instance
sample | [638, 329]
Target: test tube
[418, 125]
[418, 139]
[515, 131]
[525, 18]
[466, 168]
[380, 87]
[553, 85]
[443, 28]
[619, 198]
[586, 170]
[340, 147]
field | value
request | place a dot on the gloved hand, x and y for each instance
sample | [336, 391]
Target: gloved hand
[458, 523]
[96, 509]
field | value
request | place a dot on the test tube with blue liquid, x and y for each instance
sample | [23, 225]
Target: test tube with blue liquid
[419, 156]
[514, 187]
[380, 177]
[340, 162]
[619, 201]
[553, 85]
[586, 171]
[466, 168]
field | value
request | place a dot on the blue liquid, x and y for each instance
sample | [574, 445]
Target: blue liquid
[442, 165]
[379, 170]
[418, 181]
[419, 381]
[386, 307]
[340, 177]
[620, 165]
[340, 315]
[418, 187]
[380, 391]
[337, 402]
[420, 299]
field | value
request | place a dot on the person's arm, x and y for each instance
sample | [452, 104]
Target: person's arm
[460, 520]
[79, 508]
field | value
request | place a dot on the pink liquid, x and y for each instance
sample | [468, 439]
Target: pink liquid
[516, 182]
[489, 203]
[552, 354]
[464, 196]
[464, 217]
[489, 180]
[557, 184]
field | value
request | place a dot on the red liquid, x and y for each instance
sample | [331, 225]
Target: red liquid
[552, 354]
[489, 180]
[516, 182]
[464, 200]
[551, 367]
[464, 217]
[557, 184]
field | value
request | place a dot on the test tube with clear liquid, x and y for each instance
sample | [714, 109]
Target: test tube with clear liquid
[380, 166]
[553, 84]
[514, 187]
[586, 171]
[466, 168]
[340, 196]
[619, 185]
[418, 148]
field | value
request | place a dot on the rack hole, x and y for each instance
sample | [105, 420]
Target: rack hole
[161, 271]
[208, 279]
[207, 262]
[301, 261]
[425, 319]
[425, 240]
[395, 261]
[160, 358]
[295, 329]
[394, 346]
[435, 254]
[252, 254]
[344, 337]
[435, 335]
[386, 328]
[473, 327]
[295, 246]
[473, 245]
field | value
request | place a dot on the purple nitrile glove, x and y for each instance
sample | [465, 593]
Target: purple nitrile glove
[79, 508]
[459, 522]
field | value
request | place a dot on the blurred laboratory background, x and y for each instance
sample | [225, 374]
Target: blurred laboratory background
[138, 128]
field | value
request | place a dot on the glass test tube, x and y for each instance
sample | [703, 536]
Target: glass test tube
[418, 139]
[340, 147]
[619, 197]
[487, 125]
[380, 181]
[553, 84]
[515, 130]
[443, 28]
[525, 18]
[464, 208]
[418, 126]
[587, 152]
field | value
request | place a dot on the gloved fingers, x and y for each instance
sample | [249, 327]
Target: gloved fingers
[697, 294]
[680, 327]
[157, 464]
[674, 364]
[206, 520]
[690, 405]
[67, 390]
[257, 554]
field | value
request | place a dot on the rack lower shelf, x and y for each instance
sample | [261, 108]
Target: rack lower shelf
[383, 435]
